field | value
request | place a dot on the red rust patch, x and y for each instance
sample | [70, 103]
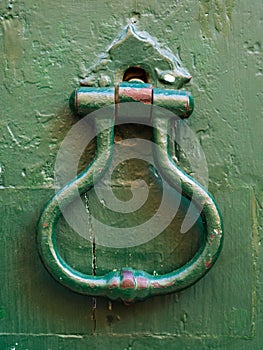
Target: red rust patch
[45, 225]
[128, 281]
[212, 237]
[137, 94]
[141, 283]
[113, 285]
[156, 285]
[208, 263]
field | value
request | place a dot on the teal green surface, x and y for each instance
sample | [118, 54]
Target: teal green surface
[46, 47]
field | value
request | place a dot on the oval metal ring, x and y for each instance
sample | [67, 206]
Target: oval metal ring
[130, 284]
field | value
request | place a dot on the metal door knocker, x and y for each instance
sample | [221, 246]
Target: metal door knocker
[147, 84]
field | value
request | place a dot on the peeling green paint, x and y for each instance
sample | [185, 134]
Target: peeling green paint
[215, 16]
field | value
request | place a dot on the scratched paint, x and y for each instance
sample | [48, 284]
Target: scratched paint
[13, 36]
[215, 16]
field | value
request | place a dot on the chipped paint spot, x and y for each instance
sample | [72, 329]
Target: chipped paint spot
[136, 94]
[141, 283]
[208, 263]
[128, 281]
[114, 283]
[169, 78]
[212, 237]
[13, 136]
[216, 231]
[44, 119]
[156, 285]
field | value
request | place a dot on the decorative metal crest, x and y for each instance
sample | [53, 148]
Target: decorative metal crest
[133, 48]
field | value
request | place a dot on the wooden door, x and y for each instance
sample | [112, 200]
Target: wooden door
[46, 47]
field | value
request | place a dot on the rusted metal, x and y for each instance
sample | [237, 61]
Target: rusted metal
[135, 92]
[126, 283]
[87, 99]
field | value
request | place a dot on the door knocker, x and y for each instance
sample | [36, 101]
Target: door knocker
[143, 83]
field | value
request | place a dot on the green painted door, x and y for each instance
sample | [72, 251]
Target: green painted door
[46, 48]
